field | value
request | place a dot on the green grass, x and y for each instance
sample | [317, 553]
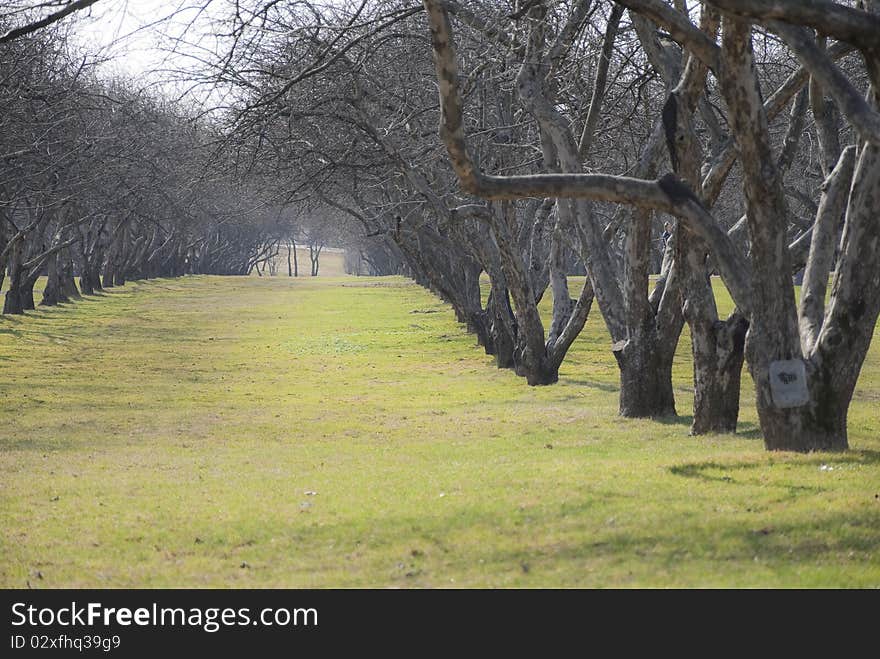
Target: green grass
[245, 432]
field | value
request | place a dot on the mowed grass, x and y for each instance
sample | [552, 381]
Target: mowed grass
[269, 432]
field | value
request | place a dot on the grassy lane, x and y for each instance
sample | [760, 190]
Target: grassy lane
[245, 432]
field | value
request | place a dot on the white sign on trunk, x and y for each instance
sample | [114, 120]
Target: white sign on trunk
[788, 383]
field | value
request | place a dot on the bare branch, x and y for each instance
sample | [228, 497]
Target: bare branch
[19, 32]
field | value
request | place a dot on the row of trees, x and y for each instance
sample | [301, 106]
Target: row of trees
[817, 347]
[571, 133]
[557, 119]
[101, 183]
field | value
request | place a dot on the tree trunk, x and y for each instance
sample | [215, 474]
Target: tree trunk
[27, 293]
[819, 425]
[90, 281]
[718, 362]
[13, 304]
[53, 293]
[563, 305]
[85, 282]
[68, 283]
[502, 327]
[645, 378]
[107, 280]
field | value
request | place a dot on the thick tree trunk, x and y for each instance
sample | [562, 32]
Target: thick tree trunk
[68, 283]
[819, 425]
[717, 346]
[502, 326]
[645, 378]
[718, 362]
[537, 372]
[53, 294]
[531, 359]
[119, 275]
[478, 323]
[85, 282]
[13, 304]
[27, 293]
[107, 279]
[90, 282]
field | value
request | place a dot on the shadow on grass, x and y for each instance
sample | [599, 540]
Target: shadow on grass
[38, 445]
[865, 457]
[18, 327]
[430, 550]
[593, 384]
[677, 420]
[699, 469]
[749, 430]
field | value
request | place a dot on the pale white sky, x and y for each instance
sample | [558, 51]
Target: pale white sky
[138, 36]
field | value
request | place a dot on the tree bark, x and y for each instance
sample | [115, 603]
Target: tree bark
[645, 376]
[68, 283]
[716, 346]
[53, 294]
[14, 302]
[718, 361]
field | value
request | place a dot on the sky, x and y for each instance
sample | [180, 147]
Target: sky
[137, 36]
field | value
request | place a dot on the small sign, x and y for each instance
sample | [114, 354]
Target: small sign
[788, 383]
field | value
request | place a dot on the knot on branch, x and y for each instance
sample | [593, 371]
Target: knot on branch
[677, 190]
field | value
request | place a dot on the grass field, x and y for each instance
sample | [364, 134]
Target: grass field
[343, 432]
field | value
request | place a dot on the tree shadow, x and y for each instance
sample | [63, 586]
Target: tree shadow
[749, 430]
[427, 555]
[38, 445]
[677, 420]
[866, 457]
[593, 384]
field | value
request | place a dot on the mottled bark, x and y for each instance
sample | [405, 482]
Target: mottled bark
[645, 376]
[718, 352]
[826, 229]
[716, 345]
[531, 359]
[773, 334]
[832, 361]
[667, 194]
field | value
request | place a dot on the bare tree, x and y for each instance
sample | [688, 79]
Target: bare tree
[802, 398]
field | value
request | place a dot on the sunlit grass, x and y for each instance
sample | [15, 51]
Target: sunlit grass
[245, 432]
